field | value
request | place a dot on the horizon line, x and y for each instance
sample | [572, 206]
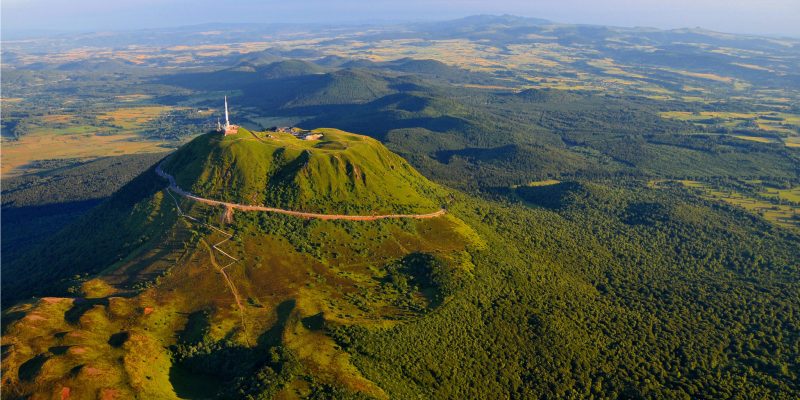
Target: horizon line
[45, 33]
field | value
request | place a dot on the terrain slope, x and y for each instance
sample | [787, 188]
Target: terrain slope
[162, 294]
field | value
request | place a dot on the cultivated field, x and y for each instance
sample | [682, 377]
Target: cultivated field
[72, 137]
[779, 206]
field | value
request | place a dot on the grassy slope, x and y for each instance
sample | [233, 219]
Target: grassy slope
[137, 217]
[37, 206]
[130, 329]
[295, 277]
[599, 290]
[341, 173]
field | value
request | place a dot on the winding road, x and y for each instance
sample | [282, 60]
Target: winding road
[229, 207]
[173, 186]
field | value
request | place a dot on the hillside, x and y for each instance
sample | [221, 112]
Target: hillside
[37, 206]
[152, 278]
[461, 136]
[541, 298]
[339, 173]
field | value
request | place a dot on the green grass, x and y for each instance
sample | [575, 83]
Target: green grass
[785, 124]
[546, 182]
[340, 173]
[138, 330]
[779, 214]
[331, 272]
[792, 195]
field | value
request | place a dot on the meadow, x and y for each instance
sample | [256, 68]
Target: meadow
[773, 127]
[778, 206]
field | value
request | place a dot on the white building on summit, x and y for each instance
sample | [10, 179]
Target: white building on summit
[228, 129]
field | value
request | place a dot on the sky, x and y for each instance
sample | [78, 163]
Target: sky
[772, 17]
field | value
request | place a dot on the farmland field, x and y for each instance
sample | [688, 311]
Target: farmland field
[779, 206]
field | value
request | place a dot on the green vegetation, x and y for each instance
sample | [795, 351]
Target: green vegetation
[597, 280]
[575, 280]
[157, 280]
[339, 173]
[779, 206]
[623, 222]
[37, 206]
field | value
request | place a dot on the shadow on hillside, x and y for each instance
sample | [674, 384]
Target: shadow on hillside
[203, 369]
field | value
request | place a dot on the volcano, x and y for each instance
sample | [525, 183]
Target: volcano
[227, 270]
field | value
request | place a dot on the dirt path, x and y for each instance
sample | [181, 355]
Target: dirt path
[228, 280]
[216, 265]
[243, 207]
[258, 138]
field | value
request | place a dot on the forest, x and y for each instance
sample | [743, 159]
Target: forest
[620, 223]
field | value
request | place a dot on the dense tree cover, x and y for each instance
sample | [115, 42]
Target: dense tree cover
[445, 130]
[585, 289]
[139, 212]
[239, 371]
[75, 180]
[36, 206]
[499, 139]
[616, 292]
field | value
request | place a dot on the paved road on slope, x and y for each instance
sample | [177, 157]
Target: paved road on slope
[244, 207]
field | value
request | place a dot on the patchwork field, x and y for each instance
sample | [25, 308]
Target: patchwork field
[23, 156]
[62, 136]
[779, 206]
[528, 289]
[791, 195]
[132, 118]
[786, 126]
[73, 137]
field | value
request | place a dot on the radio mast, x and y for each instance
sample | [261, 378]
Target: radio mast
[227, 123]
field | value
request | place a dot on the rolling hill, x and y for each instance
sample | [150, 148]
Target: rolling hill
[160, 281]
[539, 297]
[339, 173]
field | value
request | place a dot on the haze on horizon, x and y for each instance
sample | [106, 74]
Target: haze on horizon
[767, 17]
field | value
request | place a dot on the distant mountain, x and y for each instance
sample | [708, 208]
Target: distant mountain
[482, 22]
[288, 68]
[544, 211]
[271, 55]
[345, 86]
[257, 58]
[291, 83]
[99, 65]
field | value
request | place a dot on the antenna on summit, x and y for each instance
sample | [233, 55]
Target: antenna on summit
[227, 122]
[228, 128]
